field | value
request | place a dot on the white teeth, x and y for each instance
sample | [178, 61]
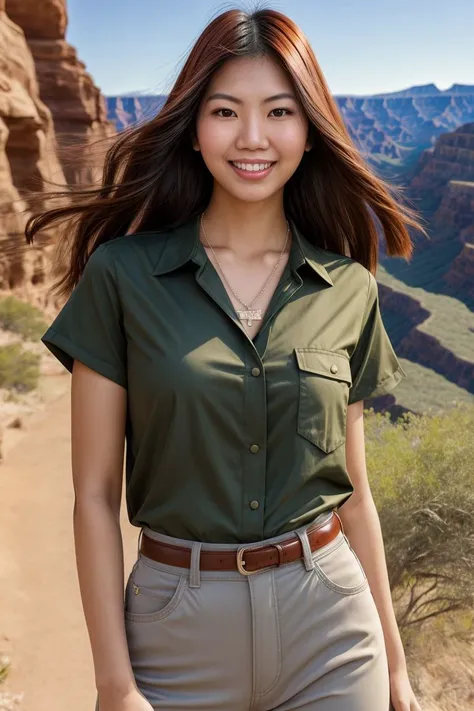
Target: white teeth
[252, 168]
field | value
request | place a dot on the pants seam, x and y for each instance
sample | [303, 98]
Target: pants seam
[254, 696]
[277, 622]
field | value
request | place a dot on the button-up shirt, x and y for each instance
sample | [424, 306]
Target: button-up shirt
[229, 439]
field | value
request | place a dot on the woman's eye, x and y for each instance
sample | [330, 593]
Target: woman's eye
[287, 111]
[218, 112]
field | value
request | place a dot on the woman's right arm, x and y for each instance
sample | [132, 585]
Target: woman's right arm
[98, 413]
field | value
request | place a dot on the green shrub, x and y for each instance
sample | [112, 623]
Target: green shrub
[19, 369]
[22, 318]
[420, 471]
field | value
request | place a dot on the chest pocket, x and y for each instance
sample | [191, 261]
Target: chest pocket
[324, 382]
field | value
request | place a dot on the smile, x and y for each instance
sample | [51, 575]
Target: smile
[252, 170]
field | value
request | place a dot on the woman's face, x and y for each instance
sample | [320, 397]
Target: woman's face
[249, 125]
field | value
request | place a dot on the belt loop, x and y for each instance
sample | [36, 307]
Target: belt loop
[307, 554]
[342, 528]
[139, 541]
[337, 516]
[195, 571]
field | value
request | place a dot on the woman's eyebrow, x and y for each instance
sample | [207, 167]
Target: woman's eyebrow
[228, 97]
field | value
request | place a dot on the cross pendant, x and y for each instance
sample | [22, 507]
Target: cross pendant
[250, 315]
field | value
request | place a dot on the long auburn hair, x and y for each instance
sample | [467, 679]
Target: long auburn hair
[153, 179]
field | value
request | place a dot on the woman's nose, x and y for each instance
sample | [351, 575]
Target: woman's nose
[252, 135]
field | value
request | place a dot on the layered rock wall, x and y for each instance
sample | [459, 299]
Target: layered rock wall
[27, 160]
[462, 270]
[47, 101]
[456, 210]
[77, 105]
[452, 158]
[444, 183]
[421, 347]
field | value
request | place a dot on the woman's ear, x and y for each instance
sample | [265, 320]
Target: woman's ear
[195, 144]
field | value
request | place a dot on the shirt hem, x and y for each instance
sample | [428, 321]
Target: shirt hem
[66, 351]
[383, 386]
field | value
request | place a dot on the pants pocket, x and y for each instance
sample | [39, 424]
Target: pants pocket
[152, 594]
[340, 569]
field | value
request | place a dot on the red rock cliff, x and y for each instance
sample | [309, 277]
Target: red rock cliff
[77, 105]
[27, 159]
[47, 100]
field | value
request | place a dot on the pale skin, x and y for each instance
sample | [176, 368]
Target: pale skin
[245, 223]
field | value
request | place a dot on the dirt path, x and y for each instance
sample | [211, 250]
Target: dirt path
[42, 628]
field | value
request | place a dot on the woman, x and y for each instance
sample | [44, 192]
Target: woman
[225, 323]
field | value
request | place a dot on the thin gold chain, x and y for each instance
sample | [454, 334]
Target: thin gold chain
[263, 289]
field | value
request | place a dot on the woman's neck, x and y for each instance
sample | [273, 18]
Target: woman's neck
[254, 230]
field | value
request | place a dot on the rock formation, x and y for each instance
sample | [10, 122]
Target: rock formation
[456, 210]
[461, 271]
[444, 185]
[27, 159]
[128, 110]
[452, 158]
[47, 99]
[421, 347]
[77, 105]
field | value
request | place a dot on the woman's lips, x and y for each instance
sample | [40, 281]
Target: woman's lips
[251, 174]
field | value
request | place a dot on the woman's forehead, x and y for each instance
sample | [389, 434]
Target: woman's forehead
[250, 75]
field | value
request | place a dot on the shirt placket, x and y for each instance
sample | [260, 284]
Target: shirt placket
[254, 424]
[255, 454]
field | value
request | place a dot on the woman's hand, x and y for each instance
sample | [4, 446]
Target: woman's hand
[401, 693]
[132, 701]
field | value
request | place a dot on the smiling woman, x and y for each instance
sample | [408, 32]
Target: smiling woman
[223, 319]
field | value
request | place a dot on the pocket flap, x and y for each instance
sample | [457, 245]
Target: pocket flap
[330, 364]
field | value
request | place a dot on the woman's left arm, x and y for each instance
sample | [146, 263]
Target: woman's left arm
[362, 527]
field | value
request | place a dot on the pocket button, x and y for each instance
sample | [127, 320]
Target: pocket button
[333, 368]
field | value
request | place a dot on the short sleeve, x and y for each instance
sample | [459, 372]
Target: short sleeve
[89, 327]
[374, 366]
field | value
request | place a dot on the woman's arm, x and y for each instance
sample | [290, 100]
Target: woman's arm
[362, 527]
[98, 411]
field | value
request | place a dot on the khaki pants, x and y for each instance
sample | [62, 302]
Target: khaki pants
[303, 636]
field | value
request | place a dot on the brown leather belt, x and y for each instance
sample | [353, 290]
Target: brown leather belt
[246, 560]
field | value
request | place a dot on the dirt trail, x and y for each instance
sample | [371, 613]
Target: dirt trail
[42, 628]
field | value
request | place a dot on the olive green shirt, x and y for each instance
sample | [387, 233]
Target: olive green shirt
[228, 439]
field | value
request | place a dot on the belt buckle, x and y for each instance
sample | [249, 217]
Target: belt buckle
[241, 562]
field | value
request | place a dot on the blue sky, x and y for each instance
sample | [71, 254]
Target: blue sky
[363, 46]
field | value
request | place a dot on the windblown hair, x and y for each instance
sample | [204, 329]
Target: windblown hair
[153, 179]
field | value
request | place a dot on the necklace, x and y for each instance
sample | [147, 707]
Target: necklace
[249, 314]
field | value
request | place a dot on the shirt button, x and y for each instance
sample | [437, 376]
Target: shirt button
[255, 372]
[254, 448]
[254, 504]
[333, 368]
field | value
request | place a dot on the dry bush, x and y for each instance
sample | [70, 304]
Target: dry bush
[421, 475]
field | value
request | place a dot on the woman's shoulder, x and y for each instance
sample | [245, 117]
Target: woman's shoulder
[345, 271]
[134, 251]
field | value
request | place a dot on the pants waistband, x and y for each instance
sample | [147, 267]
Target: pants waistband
[197, 546]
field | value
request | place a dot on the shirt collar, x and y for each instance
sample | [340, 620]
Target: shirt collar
[184, 245]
